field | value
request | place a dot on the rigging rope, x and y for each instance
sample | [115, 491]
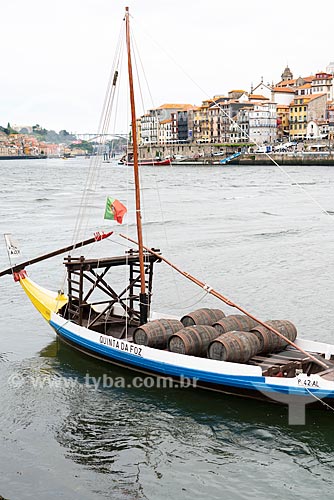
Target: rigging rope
[93, 172]
[96, 160]
[319, 399]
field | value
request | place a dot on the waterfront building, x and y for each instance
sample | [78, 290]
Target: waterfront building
[282, 121]
[305, 89]
[316, 129]
[183, 130]
[215, 114]
[304, 109]
[282, 95]
[241, 132]
[201, 123]
[165, 132]
[230, 109]
[196, 124]
[263, 123]
[204, 122]
[174, 127]
[330, 118]
[138, 128]
[150, 122]
[191, 117]
[322, 83]
[149, 128]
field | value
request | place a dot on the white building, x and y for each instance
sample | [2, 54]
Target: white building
[305, 89]
[317, 129]
[262, 89]
[165, 132]
[149, 128]
[323, 84]
[150, 123]
[263, 123]
[242, 120]
[282, 95]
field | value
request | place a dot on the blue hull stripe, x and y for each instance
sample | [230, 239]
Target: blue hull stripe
[244, 382]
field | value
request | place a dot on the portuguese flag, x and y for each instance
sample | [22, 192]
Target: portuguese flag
[115, 210]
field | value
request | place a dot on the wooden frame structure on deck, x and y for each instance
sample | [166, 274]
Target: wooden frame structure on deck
[84, 276]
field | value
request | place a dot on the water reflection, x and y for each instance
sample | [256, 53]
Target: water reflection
[132, 434]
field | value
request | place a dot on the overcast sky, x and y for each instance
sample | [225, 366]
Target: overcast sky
[56, 55]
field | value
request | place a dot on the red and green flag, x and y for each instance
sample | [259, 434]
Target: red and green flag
[115, 210]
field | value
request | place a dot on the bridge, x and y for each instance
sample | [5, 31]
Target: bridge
[93, 137]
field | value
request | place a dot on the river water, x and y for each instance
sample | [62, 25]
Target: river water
[249, 232]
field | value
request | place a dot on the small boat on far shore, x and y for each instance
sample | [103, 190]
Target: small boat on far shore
[148, 162]
[226, 160]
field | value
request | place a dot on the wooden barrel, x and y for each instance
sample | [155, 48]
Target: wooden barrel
[235, 322]
[193, 340]
[156, 333]
[202, 316]
[270, 342]
[234, 346]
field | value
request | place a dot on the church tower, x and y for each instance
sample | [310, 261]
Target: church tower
[287, 74]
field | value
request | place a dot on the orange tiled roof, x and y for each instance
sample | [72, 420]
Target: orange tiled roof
[174, 106]
[315, 96]
[165, 121]
[306, 99]
[293, 82]
[305, 86]
[255, 96]
[308, 78]
[283, 89]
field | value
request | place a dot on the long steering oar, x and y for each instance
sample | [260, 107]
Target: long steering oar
[228, 302]
[18, 267]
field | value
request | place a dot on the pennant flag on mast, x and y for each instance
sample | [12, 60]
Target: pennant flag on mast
[115, 210]
[12, 247]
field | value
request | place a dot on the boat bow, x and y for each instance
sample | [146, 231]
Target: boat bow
[45, 301]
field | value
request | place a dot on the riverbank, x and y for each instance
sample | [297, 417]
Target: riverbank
[285, 159]
[211, 154]
[23, 157]
[262, 159]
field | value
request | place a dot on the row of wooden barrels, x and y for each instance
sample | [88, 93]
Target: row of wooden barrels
[208, 332]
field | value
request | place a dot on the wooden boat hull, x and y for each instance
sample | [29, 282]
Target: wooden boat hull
[239, 379]
[220, 376]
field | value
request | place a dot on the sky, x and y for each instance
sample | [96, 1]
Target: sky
[56, 55]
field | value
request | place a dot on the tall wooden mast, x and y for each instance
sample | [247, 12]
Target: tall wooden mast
[143, 295]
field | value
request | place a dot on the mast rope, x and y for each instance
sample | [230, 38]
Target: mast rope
[103, 127]
[96, 161]
[140, 65]
[319, 399]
